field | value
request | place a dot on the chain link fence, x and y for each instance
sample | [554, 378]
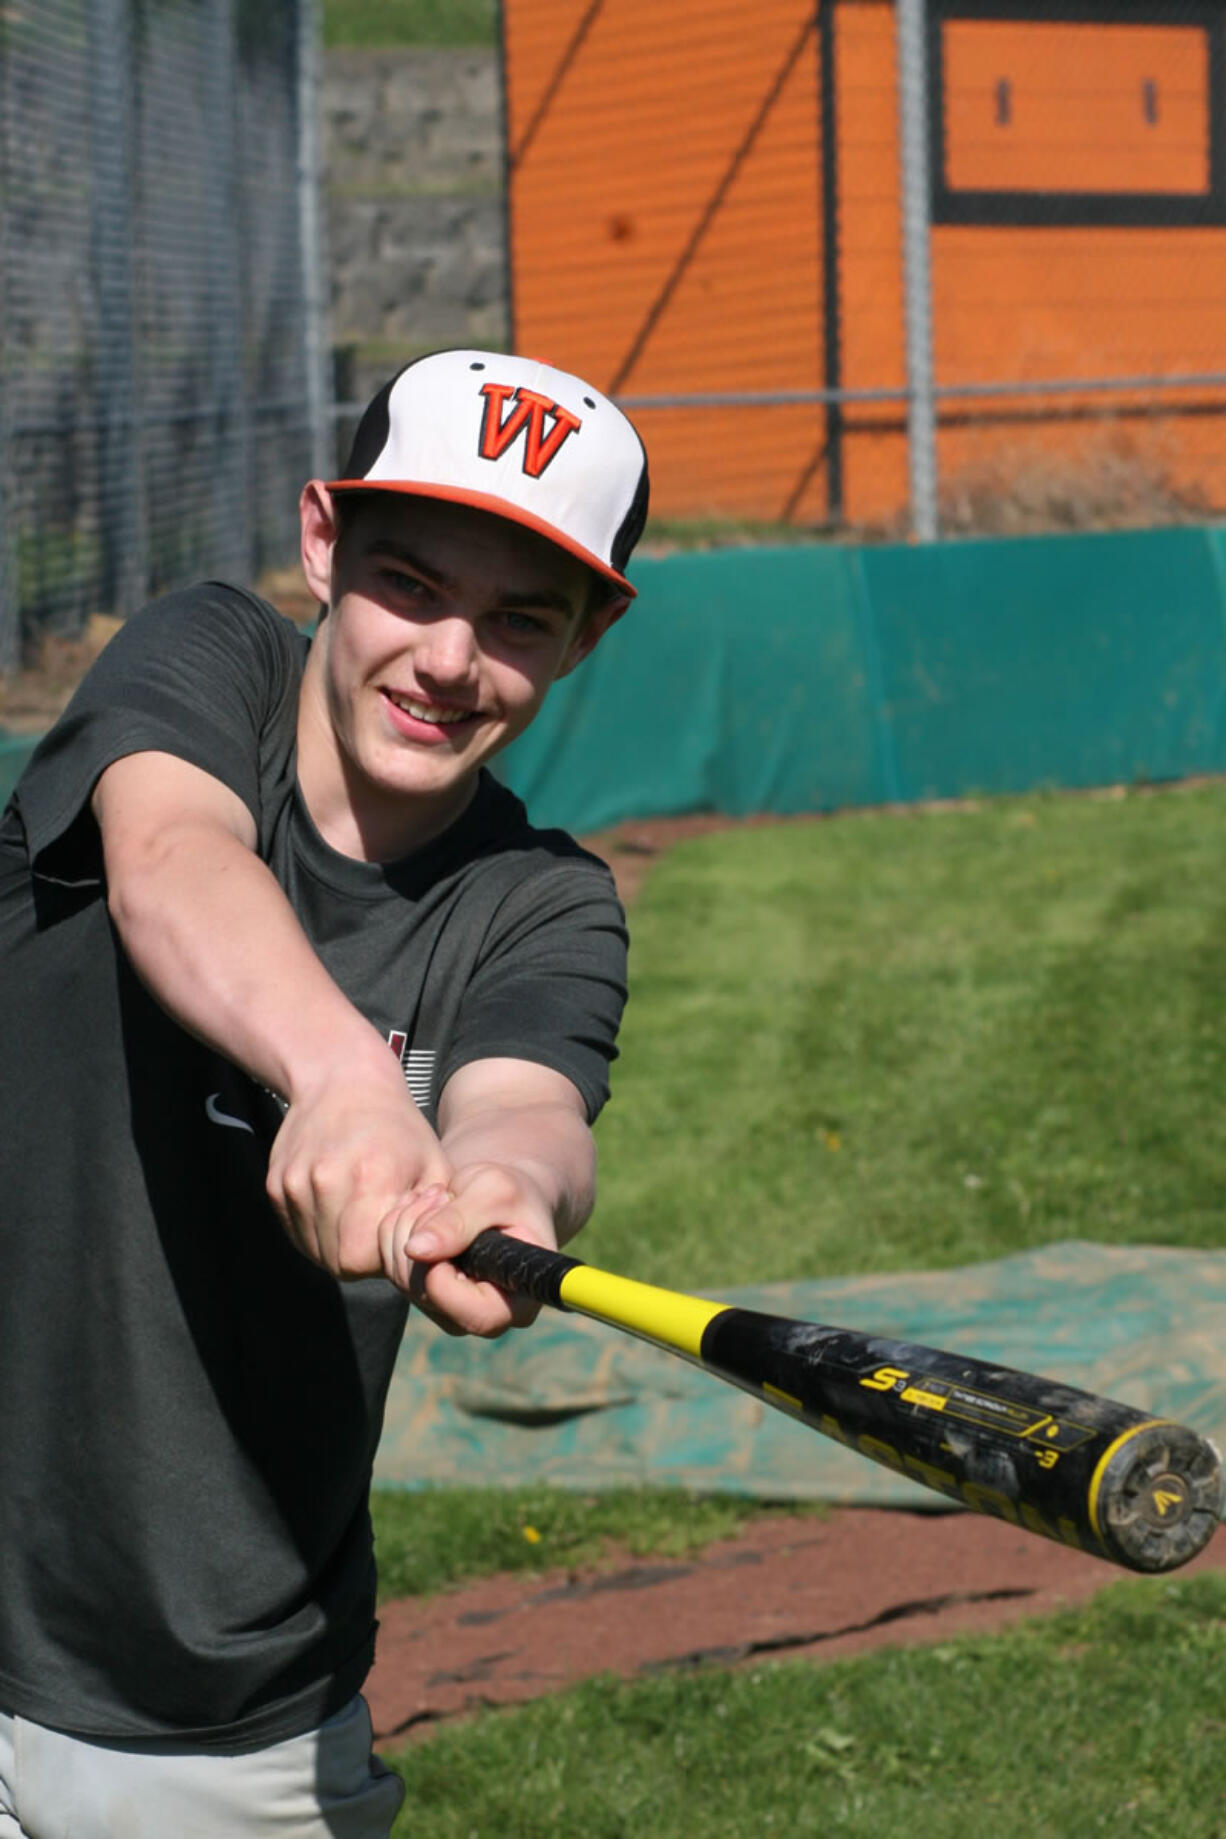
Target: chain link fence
[162, 392]
[885, 266]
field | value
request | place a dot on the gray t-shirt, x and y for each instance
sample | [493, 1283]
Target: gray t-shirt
[189, 1409]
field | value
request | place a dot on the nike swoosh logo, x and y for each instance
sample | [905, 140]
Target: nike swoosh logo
[216, 1116]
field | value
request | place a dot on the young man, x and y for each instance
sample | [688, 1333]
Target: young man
[293, 1004]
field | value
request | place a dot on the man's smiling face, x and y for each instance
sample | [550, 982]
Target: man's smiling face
[446, 626]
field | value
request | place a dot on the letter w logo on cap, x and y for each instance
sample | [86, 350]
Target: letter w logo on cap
[500, 427]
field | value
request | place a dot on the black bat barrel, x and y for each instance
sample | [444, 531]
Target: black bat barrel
[1087, 1471]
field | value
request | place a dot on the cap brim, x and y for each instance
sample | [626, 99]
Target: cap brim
[498, 507]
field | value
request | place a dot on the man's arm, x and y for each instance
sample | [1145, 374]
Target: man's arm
[213, 937]
[517, 1138]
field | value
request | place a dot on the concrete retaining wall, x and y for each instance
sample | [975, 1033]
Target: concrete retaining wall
[413, 153]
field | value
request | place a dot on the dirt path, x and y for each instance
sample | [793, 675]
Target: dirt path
[788, 1587]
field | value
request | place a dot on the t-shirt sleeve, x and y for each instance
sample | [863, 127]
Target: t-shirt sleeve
[550, 984]
[198, 674]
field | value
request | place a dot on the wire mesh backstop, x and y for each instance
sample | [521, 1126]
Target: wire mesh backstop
[161, 383]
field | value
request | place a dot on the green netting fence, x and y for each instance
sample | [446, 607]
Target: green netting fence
[827, 676]
[824, 676]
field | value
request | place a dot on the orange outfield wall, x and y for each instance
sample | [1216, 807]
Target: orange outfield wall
[705, 199]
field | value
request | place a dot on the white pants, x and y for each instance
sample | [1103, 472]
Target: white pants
[324, 1785]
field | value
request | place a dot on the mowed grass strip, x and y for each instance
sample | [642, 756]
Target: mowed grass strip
[384, 24]
[887, 1042]
[1106, 1719]
[428, 1540]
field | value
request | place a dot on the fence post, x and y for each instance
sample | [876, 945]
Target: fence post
[312, 249]
[231, 542]
[10, 610]
[913, 106]
[831, 295]
[121, 575]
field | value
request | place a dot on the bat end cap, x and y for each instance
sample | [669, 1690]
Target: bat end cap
[1160, 1498]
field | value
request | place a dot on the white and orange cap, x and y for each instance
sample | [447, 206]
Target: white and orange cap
[514, 437]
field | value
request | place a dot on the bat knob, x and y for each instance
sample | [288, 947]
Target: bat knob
[1160, 1498]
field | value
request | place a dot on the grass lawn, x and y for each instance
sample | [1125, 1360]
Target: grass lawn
[378, 23]
[885, 1043]
[1106, 1719]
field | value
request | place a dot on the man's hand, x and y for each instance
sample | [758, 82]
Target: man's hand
[516, 1136]
[429, 1233]
[346, 1157]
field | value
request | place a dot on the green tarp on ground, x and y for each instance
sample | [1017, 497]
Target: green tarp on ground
[583, 1406]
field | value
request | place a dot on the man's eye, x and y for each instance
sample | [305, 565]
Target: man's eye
[524, 625]
[404, 584]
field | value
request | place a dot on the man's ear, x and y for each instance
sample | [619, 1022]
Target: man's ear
[591, 632]
[319, 530]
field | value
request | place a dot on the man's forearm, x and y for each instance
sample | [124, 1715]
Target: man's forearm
[547, 1143]
[211, 934]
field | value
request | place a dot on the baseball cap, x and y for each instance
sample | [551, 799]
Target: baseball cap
[515, 437]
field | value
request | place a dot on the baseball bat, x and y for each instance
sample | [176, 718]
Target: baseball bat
[1086, 1471]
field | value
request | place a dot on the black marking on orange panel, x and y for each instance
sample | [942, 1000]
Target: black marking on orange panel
[1172, 210]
